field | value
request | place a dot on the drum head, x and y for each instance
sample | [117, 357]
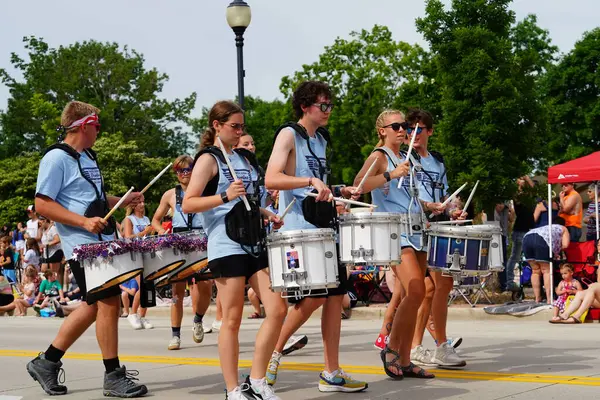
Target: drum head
[116, 281]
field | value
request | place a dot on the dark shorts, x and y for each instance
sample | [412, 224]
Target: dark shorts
[79, 274]
[320, 293]
[535, 248]
[6, 299]
[237, 265]
[574, 233]
[55, 258]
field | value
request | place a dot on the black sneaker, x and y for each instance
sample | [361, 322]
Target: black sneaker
[120, 383]
[294, 343]
[50, 375]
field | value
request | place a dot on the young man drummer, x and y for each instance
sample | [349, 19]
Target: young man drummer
[433, 188]
[69, 186]
[294, 168]
[201, 290]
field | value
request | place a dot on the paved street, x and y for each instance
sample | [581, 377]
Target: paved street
[507, 359]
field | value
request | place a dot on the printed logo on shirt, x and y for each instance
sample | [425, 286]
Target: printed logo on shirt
[243, 174]
[93, 174]
[314, 163]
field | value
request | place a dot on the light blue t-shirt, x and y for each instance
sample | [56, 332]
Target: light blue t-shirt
[433, 180]
[219, 244]
[60, 179]
[139, 224]
[306, 166]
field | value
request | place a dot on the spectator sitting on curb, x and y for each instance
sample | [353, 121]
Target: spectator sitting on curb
[128, 291]
[567, 287]
[579, 305]
[50, 289]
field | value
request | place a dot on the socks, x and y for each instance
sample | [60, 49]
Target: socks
[256, 382]
[111, 364]
[331, 375]
[176, 331]
[53, 354]
[198, 318]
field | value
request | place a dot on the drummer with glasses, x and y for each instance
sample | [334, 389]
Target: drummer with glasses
[383, 183]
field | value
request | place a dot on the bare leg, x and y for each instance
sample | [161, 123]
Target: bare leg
[136, 298]
[545, 267]
[74, 326]
[107, 327]
[591, 298]
[231, 291]
[201, 294]
[296, 317]
[331, 325]
[275, 310]
[424, 312]
[443, 287]
[390, 311]
[125, 300]
[574, 304]
[219, 316]
[535, 280]
[254, 300]
[177, 304]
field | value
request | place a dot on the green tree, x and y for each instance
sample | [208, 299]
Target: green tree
[366, 73]
[487, 70]
[572, 90]
[110, 77]
[17, 186]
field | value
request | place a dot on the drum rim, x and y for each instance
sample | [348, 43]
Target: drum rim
[301, 233]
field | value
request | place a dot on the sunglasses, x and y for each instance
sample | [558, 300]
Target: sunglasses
[324, 107]
[236, 127]
[184, 171]
[396, 126]
[411, 130]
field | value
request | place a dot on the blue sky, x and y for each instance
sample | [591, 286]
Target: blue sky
[191, 41]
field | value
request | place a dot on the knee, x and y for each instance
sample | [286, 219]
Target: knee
[415, 292]
[232, 322]
[444, 285]
[278, 311]
[580, 295]
[430, 289]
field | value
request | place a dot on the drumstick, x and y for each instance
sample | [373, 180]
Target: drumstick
[453, 195]
[410, 148]
[287, 209]
[244, 199]
[362, 181]
[153, 181]
[121, 200]
[471, 196]
[342, 200]
[457, 221]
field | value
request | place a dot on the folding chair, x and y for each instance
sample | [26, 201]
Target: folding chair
[480, 289]
[581, 256]
[370, 276]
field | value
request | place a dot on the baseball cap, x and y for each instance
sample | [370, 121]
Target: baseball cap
[31, 208]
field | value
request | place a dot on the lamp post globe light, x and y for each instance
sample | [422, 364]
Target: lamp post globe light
[238, 17]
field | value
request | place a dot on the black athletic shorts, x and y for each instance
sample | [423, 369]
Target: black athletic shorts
[237, 265]
[55, 258]
[320, 293]
[79, 275]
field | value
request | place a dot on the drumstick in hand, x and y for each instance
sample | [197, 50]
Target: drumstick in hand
[471, 196]
[153, 181]
[118, 204]
[244, 199]
[287, 209]
[410, 148]
[362, 181]
[342, 200]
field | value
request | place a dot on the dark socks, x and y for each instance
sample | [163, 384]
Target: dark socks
[111, 364]
[53, 354]
[176, 331]
[198, 318]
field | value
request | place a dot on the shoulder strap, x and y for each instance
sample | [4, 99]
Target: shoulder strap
[179, 201]
[250, 156]
[64, 147]
[387, 153]
[214, 150]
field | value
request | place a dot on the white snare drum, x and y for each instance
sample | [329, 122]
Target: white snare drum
[107, 264]
[195, 256]
[463, 250]
[161, 255]
[303, 260]
[371, 238]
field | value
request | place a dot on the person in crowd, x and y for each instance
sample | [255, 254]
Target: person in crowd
[571, 210]
[32, 255]
[523, 216]
[50, 247]
[32, 223]
[6, 296]
[504, 216]
[540, 213]
[128, 292]
[567, 287]
[7, 262]
[50, 289]
[73, 291]
[536, 246]
[256, 304]
[590, 214]
[18, 238]
[582, 302]
[28, 288]
[5, 230]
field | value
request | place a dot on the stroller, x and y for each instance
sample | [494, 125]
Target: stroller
[524, 281]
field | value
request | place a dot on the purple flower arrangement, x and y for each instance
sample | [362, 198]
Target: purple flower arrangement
[102, 249]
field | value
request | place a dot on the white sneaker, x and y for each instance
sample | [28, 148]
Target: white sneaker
[455, 342]
[261, 390]
[146, 324]
[198, 334]
[135, 322]
[294, 343]
[236, 394]
[216, 325]
[445, 356]
[175, 343]
[422, 356]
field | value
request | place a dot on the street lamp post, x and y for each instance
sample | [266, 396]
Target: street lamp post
[238, 18]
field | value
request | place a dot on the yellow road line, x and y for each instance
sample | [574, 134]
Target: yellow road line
[352, 369]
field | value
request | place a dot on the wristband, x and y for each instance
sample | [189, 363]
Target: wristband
[387, 176]
[224, 197]
[310, 181]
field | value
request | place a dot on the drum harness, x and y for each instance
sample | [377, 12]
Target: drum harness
[190, 216]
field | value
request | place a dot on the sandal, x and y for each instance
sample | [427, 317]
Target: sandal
[255, 315]
[571, 320]
[409, 372]
[393, 363]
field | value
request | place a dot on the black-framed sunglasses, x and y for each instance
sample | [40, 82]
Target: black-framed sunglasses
[324, 107]
[396, 126]
[237, 127]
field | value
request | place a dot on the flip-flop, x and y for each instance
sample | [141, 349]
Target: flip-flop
[570, 321]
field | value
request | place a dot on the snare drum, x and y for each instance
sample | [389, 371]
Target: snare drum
[161, 255]
[460, 249]
[496, 246]
[371, 238]
[195, 257]
[303, 260]
[107, 264]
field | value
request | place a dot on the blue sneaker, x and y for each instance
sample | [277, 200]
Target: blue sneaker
[341, 382]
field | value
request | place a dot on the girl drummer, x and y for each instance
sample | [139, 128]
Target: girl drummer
[383, 183]
[213, 192]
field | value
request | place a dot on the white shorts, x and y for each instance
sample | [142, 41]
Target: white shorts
[20, 245]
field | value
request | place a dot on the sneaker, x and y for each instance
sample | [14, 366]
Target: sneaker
[236, 394]
[422, 356]
[198, 334]
[341, 382]
[294, 343]
[455, 342]
[260, 391]
[175, 343]
[146, 324]
[135, 322]
[445, 356]
[208, 329]
[381, 342]
[273, 367]
[58, 308]
[120, 383]
[50, 375]
[216, 325]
